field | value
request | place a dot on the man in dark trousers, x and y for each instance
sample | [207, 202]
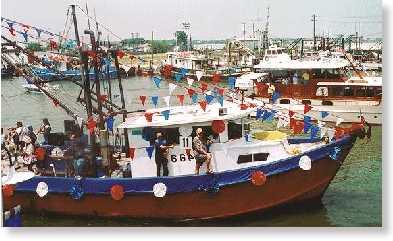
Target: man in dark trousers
[161, 155]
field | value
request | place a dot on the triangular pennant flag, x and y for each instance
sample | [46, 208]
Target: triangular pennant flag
[194, 98]
[324, 114]
[172, 87]
[131, 152]
[149, 151]
[307, 108]
[220, 99]
[190, 81]
[331, 133]
[276, 95]
[220, 91]
[183, 72]
[323, 131]
[266, 115]
[91, 125]
[216, 78]
[181, 99]
[339, 121]
[165, 113]
[154, 99]
[157, 81]
[199, 74]
[203, 86]
[314, 131]
[209, 98]
[25, 36]
[178, 77]
[149, 116]
[39, 31]
[259, 113]
[109, 123]
[143, 99]
[167, 99]
[203, 104]
[191, 92]
[231, 82]
[307, 124]
[291, 113]
[298, 127]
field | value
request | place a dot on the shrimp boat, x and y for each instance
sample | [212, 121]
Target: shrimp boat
[249, 174]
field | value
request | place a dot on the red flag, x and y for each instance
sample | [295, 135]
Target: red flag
[12, 31]
[120, 54]
[203, 104]
[203, 86]
[104, 97]
[91, 125]
[149, 116]
[143, 99]
[220, 91]
[298, 127]
[131, 152]
[216, 78]
[53, 44]
[291, 113]
[191, 92]
[181, 99]
[307, 108]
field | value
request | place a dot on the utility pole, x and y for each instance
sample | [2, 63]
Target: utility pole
[314, 38]
[152, 52]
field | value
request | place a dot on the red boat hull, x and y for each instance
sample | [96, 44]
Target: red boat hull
[293, 186]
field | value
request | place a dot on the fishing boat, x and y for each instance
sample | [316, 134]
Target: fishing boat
[251, 172]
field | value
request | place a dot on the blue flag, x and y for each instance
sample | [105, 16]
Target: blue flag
[275, 96]
[267, 116]
[194, 98]
[149, 151]
[154, 99]
[165, 113]
[259, 114]
[109, 123]
[25, 36]
[324, 114]
[307, 123]
[209, 98]
[157, 81]
[220, 100]
[178, 77]
[183, 72]
[314, 131]
[231, 82]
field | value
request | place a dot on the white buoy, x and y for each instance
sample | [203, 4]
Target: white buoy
[159, 189]
[305, 163]
[42, 189]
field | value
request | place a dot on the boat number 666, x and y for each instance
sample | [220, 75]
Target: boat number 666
[182, 157]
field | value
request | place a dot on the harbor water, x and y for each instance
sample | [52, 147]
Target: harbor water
[354, 197]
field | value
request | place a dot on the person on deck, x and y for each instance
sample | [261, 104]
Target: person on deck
[201, 152]
[45, 130]
[161, 146]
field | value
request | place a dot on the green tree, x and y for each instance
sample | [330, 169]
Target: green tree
[181, 38]
[161, 46]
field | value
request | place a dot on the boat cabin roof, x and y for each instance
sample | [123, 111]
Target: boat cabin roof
[186, 115]
[330, 63]
[355, 81]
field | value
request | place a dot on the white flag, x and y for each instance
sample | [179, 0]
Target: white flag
[339, 121]
[199, 74]
[167, 99]
[172, 87]
[190, 81]
[331, 133]
[323, 131]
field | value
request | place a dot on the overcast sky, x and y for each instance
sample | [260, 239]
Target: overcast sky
[210, 19]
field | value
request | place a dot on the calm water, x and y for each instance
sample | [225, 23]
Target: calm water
[354, 198]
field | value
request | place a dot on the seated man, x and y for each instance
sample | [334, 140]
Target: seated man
[201, 153]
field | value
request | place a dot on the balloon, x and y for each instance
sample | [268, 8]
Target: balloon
[218, 126]
[8, 190]
[258, 178]
[159, 190]
[117, 192]
[305, 163]
[42, 189]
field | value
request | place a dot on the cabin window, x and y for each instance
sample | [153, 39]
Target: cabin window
[285, 101]
[234, 130]
[322, 91]
[378, 91]
[336, 91]
[348, 91]
[327, 102]
[306, 102]
[249, 157]
[361, 91]
[260, 157]
[175, 61]
[370, 92]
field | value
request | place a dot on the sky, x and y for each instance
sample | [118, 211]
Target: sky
[210, 19]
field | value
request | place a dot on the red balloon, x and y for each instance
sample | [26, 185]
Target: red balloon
[258, 178]
[218, 126]
[117, 192]
[8, 190]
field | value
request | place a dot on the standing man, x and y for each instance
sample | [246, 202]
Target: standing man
[201, 153]
[161, 155]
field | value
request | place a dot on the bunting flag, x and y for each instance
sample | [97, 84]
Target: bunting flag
[220, 91]
[203, 105]
[276, 95]
[91, 125]
[39, 31]
[190, 92]
[25, 36]
[209, 98]
[172, 87]
[231, 82]
[157, 81]
[267, 116]
[291, 113]
[199, 74]
[178, 77]
[149, 116]
[194, 98]
[165, 113]
[307, 108]
[149, 151]
[298, 127]
[109, 123]
[339, 121]
[154, 99]
[307, 124]
[167, 99]
[324, 114]
[181, 99]
[314, 131]
[330, 132]
[203, 86]
[190, 81]
[183, 72]
[323, 131]
[143, 99]
[131, 152]
[220, 100]
[259, 113]
[282, 122]
[216, 78]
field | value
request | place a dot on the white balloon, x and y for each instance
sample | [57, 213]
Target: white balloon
[305, 163]
[185, 130]
[159, 189]
[42, 189]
